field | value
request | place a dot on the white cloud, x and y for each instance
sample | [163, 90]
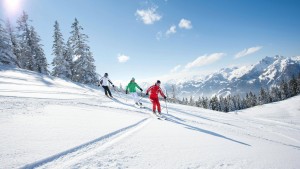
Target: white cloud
[204, 60]
[123, 58]
[172, 30]
[148, 16]
[185, 24]
[248, 51]
[175, 69]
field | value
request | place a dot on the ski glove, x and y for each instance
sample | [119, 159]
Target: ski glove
[141, 90]
[113, 85]
[165, 97]
[126, 92]
[147, 94]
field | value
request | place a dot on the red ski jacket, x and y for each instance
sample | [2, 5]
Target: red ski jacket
[154, 90]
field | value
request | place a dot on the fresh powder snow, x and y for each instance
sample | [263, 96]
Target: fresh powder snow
[48, 122]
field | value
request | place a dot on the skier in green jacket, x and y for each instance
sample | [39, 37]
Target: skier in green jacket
[132, 85]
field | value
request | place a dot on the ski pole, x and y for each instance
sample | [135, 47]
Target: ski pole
[166, 102]
[166, 106]
[141, 97]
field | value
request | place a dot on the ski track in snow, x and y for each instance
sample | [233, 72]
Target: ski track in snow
[87, 149]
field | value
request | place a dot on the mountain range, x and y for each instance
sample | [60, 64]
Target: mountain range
[266, 73]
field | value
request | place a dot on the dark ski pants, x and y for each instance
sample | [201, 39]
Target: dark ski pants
[107, 91]
[155, 103]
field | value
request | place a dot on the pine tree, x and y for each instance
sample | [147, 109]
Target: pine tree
[239, 102]
[14, 42]
[68, 56]
[84, 70]
[191, 102]
[298, 82]
[263, 96]
[275, 94]
[6, 50]
[40, 61]
[293, 86]
[174, 93]
[247, 100]
[214, 103]
[205, 102]
[222, 104]
[244, 103]
[284, 90]
[59, 62]
[231, 103]
[251, 100]
[26, 57]
[198, 102]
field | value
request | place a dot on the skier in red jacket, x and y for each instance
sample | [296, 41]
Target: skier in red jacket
[154, 90]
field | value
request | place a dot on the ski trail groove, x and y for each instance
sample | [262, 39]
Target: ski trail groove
[101, 141]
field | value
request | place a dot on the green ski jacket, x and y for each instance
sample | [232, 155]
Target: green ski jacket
[132, 87]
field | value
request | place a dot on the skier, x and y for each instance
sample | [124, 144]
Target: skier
[104, 83]
[154, 90]
[132, 85]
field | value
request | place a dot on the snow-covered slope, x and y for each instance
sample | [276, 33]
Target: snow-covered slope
[47, 122]
[267, 72]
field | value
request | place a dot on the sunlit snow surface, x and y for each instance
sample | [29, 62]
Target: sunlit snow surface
[47, 122]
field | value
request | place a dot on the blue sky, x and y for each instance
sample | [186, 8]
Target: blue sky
[169, 38]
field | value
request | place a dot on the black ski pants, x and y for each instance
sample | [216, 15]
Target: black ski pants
[107, 91]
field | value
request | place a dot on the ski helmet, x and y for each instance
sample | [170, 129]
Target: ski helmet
[133, 79]
[105, 74]
[158, 82]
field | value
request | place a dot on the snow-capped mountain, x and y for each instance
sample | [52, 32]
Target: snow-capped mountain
[266, 73]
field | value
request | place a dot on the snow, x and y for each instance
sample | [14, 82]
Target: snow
[48, 122]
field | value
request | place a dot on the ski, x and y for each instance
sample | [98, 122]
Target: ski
[112, 98]
[140, 107]
[161, 117]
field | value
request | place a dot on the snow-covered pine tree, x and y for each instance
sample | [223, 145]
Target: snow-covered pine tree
[275, 94]
[239, 102]
[244, 103]
[284, 90]
[14, 41]
[68, 56]
[191, 102]
[60, 65]
[6, 51]
[247, 101]
[84, 70]
[205, 102]
[226, 105]
[293, 86]
[40, 60]
[263, 96]
[25, 59]
[174, 93]
[253, 99]
[231, 103]
[214, 103]
[298, 82]
[222, 103]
